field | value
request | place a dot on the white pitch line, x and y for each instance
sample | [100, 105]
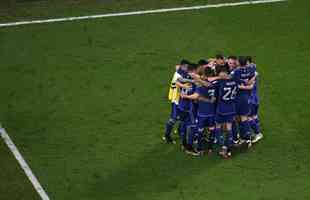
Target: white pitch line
[36, 184]
[142, 12]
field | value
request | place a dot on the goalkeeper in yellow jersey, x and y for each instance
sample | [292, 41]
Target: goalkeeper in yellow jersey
[173, 96]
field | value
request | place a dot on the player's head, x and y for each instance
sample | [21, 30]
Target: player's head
[249, 60]
[219, 59]
[242, 61]
[202, 62]
[192, 68]
[222, 70]
[232, 62]
[184, 64]
[209, 72]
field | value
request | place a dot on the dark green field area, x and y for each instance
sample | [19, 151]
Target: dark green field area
[12, 10]
[86, 104]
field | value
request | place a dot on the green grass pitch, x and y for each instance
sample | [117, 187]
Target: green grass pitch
[85, 102]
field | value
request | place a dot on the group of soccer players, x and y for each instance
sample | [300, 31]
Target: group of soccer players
[215, 103]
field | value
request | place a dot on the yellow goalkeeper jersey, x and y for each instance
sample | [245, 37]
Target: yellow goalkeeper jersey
[174, 91]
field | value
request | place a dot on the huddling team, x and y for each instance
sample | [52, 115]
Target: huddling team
[216, 104]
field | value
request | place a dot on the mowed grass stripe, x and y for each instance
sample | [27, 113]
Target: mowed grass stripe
[139, 12]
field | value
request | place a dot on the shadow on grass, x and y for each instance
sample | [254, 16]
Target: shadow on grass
[163, 169]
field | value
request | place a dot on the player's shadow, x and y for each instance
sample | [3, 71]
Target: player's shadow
[162, 169]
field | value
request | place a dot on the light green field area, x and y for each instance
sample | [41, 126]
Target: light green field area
[85, 102]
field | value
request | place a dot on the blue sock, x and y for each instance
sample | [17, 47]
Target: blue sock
[195, 130]
[179, 129]
[254, 126]
[235, 130]
[192, 134]
[169, 127]
[257, 124]
[200, 140]
[183, 128]
[229, 139]
[211, 139]
[245, 131]
[219, 136]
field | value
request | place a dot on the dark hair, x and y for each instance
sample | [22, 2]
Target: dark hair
[249, 59]
[192, 67]
[184, 62]
[202, 62]
[243, 61]
[209, 72]
[219, 56]
[222, 68]
[232, 57]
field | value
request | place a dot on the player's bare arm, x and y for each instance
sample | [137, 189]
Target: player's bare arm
[194, 96]
[246, 87]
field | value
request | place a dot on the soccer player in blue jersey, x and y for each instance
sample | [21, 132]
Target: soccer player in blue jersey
[205, 114]
[232, 63]
[174, 95]
[186, 106]
[227, 89]
[245, 74]
[254, 105]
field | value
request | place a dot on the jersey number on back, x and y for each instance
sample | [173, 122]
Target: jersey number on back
[230, 93]
[211, 93]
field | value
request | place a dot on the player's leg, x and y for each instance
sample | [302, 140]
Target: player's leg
[226, 149]
[254, 123]
[192, 132]
[170, 124]
[202, 124]
[220, 120]
[212, 134]
[228, 139]
[219, 134]
[245, 130]
[184, 125]
[243, 110]
[235, 130]
[223, 147]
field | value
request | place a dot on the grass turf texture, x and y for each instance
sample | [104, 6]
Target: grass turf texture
[37, 9]
[86, 104]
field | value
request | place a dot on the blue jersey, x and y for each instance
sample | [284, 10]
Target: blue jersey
[243, 75]
[205, 107]
[254, 99]
[226, 90]
[187, 104]
[183, 73]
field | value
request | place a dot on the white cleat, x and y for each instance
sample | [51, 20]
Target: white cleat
[258, 137]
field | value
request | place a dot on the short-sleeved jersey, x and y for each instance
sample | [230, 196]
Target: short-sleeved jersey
[244, 74]
[226, 91]
[206, 108]
[187, 104]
